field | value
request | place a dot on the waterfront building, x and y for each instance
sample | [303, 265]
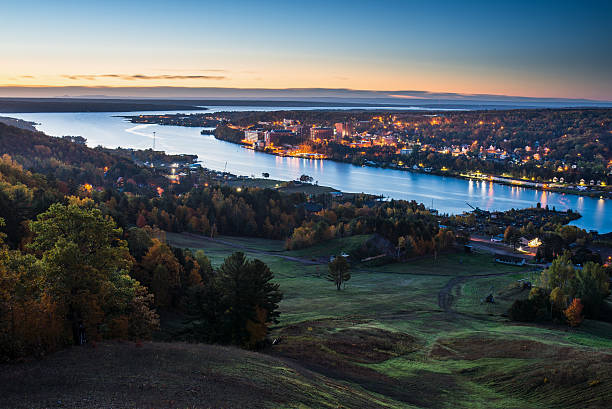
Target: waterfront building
[253, 135]
[344, 130]
[279, 136]
[321, 133]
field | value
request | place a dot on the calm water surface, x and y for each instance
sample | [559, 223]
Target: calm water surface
[449, 195]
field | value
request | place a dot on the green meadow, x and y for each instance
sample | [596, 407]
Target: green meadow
[418, 332]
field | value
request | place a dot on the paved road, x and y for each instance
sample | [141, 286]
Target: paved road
[482, 243]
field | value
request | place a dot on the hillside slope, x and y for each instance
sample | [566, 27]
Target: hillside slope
[180, 375]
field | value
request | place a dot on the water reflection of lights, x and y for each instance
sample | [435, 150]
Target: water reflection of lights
[544, 198]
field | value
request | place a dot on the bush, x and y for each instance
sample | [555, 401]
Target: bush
[523, 311]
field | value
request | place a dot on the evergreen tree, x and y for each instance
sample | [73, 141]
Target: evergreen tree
[338, 271]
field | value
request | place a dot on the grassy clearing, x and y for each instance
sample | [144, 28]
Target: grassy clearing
[386, 333]
[331, 247]
[450, 264]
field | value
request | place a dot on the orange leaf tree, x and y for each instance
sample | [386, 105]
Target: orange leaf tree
[573, 313]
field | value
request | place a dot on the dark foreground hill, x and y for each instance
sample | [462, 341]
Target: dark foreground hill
[175, 375]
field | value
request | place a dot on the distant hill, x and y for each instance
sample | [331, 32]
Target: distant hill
[8, 105]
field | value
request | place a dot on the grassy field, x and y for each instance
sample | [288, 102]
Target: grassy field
[412, 334]
[387, 332]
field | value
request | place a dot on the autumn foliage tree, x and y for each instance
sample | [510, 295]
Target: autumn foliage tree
[573, 313]
[86, 270]
[161, 272]
[31, 321]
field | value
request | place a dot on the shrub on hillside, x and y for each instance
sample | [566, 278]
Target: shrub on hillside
[523, 311]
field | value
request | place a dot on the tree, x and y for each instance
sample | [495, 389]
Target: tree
[540, 299]
[558, 303]
[30, 323]
[86, 265]
[306, 178]
[523, 310]
[139, 242]
[244, 301]
[573, 313]
[338, 271]
[512, 236]
[161, 272]
[590, 285]
[141, 221]
[206, 269]
[559, 273]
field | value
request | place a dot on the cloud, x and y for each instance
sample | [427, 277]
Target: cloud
[135, 77]
[191, 70]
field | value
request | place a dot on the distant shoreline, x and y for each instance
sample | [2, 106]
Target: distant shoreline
[456, 175]
[19, 123]
[48, 105]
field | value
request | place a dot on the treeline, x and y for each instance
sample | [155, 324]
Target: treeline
[75, 277]
[205, 210]
[566, 293]
[68, 165]
[556, 239]
[227, 133]
[410, 228]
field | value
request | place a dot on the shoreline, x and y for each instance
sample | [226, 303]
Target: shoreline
[485, 178]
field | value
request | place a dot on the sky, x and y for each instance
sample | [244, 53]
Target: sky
[552, 49]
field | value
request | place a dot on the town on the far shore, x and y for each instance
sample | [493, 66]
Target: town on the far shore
[509, 147]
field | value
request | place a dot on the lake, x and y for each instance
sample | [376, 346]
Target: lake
[447, 194]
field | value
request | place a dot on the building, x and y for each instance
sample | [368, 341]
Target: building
[344, 130]
[321, 133]
[297, 129]
[253, 135]
[280, 136]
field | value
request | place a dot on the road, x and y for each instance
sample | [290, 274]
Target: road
[445, 296]
[485, 244]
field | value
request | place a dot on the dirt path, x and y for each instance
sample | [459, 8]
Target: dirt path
[251, 250]
[445, 296]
